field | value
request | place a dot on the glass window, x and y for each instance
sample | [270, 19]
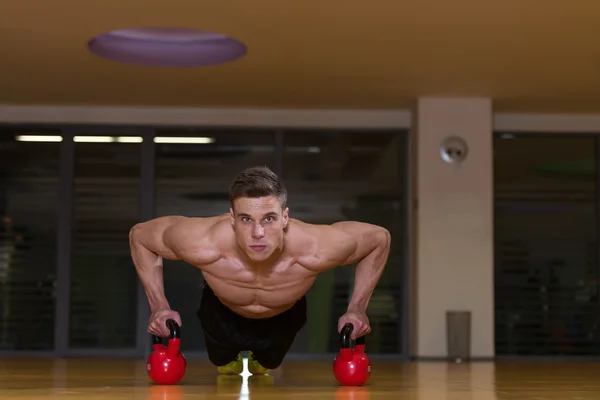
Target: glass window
[546, 245]
[350, 175]
[193, 171]
[103, 279]
[29, 175]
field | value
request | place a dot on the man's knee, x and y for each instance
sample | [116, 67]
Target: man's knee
[269, 359]
[220, 359]
[267, 362]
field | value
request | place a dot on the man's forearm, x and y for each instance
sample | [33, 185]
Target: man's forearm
[368, 272]
[149, 268]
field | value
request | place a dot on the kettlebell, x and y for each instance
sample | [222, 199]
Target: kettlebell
[351, 367]
[166, 365]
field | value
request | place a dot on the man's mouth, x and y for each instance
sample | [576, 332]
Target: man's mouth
[258, 247]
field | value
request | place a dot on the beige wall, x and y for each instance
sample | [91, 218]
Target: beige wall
[453, 224]
[452, 258]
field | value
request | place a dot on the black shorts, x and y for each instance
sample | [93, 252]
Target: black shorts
[228, 333]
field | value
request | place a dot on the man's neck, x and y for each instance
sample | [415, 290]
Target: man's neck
[266, 265]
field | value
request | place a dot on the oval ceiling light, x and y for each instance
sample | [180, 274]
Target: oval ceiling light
[167, 47]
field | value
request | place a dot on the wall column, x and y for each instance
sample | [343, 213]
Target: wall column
[453, 224]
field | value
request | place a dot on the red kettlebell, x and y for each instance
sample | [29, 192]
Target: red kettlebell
[351, 367]
[166, 365]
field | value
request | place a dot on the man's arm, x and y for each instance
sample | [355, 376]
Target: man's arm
[367, 245]
[171, 238]
[147, 241]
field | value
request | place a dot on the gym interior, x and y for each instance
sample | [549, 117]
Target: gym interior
[484, 168]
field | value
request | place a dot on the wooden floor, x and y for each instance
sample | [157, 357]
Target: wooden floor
[126, 379]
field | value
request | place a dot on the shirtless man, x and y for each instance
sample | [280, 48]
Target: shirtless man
[257, 264]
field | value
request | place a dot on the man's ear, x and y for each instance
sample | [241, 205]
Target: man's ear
[232, 215]
[286, 216]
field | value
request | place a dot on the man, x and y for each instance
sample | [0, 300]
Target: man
[257, 264]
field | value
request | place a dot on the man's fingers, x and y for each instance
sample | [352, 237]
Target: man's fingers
[360, 328]
[160, 332]
[157, 324]
[357, 329]
[158, 328]
[177, 319]
[174, 316]
[155, 330]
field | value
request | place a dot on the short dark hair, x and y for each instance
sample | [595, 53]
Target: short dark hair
[258, 181]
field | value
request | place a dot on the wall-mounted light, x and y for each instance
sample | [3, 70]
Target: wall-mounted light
[183, 140]
[130, 139]
[94, 139]
[116, 139]
[38, 138]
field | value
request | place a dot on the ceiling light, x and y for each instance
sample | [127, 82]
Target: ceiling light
[183, 140]
[38, 138]
[167, 47]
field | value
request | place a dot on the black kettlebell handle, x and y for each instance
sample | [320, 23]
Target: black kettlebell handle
[345, 337]
[173, 327]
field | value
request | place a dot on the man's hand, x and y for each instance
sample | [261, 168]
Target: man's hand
[157, 324]
[359, 320]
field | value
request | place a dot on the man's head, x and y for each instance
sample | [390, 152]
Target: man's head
[258, 211]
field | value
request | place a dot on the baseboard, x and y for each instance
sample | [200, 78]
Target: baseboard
[541, 358]
[451, 360]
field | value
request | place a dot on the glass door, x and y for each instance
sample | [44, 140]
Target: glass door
[29, 185]
[105, 205]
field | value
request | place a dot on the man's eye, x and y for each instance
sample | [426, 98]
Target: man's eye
[269, 219]
[246, 219]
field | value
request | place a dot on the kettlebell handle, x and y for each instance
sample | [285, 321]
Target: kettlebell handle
[345, 337]
[173, 327]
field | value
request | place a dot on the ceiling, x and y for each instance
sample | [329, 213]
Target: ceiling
[527, 55]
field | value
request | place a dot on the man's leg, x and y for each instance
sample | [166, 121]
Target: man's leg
[227, 359]
[280, 333]
[219, 327]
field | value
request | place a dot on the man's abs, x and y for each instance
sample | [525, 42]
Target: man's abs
[259, 300]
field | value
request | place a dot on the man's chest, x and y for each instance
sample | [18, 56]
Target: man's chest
[236, 284]
[278, 275]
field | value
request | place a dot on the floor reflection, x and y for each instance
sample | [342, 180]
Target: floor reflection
[166, 392]
[352, 393]
[243, 383]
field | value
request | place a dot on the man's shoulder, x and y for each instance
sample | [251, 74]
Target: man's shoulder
[211, 223]
[301, 233]
[318, 242]
[204, 239]
[213, 229]
[195, 231]
[313, 231]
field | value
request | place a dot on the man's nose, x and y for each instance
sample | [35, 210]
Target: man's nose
[258, 231]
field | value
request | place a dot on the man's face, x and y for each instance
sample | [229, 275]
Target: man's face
[259, 225]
